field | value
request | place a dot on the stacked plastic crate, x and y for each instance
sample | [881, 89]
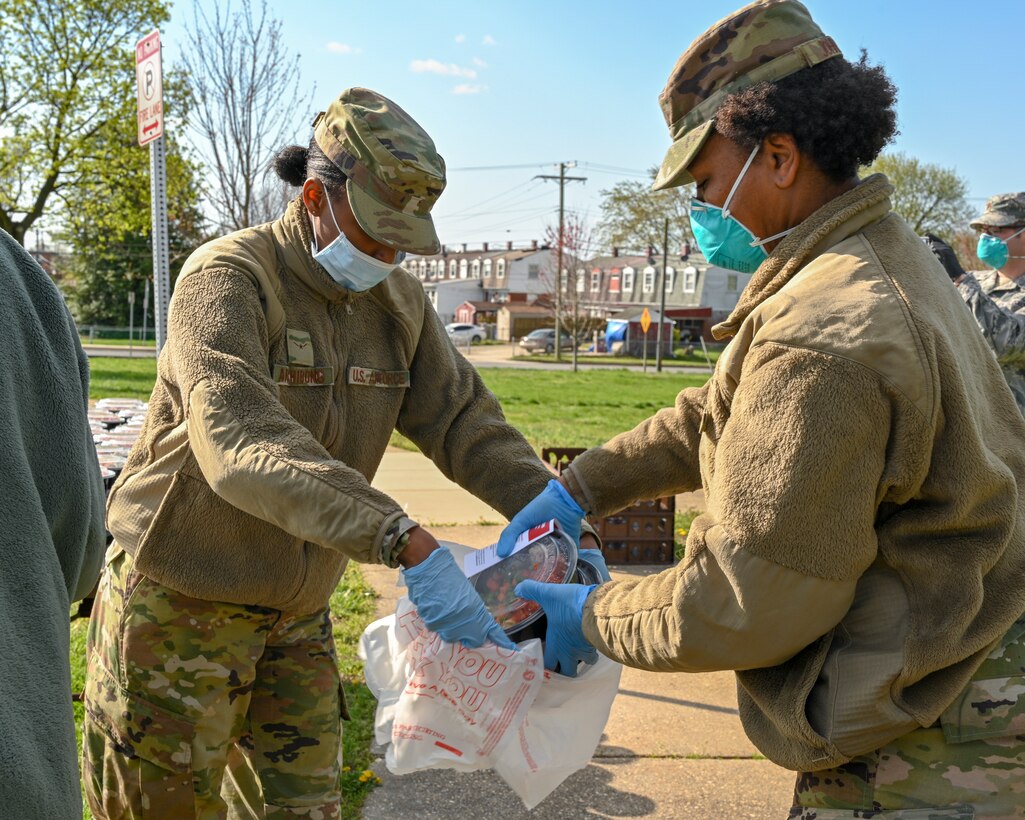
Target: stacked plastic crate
[640, 534]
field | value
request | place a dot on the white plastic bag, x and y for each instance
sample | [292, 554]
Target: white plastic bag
[563, 727]
[534, 728]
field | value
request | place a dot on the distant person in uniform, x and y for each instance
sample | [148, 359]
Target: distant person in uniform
[51, 536]
[294, 350]
[996, 296]
[861, 561]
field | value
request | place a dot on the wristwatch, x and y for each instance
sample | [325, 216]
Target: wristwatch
[395, 540]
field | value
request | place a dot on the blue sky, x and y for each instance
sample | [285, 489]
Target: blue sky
[532, 83]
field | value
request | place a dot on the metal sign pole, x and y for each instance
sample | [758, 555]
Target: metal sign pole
[161, 253]
[145, 309]
[131, 320]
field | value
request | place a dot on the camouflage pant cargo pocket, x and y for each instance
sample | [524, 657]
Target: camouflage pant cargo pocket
[143, 749]
[993, 703]
[970, 764]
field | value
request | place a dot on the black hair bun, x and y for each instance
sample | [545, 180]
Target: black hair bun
[290, 164]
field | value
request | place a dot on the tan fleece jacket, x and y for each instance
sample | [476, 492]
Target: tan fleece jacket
[861, 458]
[276, 395]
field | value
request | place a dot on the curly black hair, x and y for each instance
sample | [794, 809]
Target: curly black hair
[841, 114]
[294, 164]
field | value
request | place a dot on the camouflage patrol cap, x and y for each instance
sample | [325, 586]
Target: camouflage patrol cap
[1002, 211]
[394, 173]
[763, 42]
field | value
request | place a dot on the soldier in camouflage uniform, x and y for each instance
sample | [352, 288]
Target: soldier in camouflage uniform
[860, 563]
[997, 296]
[294, 349]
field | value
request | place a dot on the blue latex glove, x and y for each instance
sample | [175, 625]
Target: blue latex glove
[448, 603]
[554, 501]
[565, 644]
[596, 560]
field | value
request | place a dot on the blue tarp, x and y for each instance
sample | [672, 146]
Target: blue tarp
[615, 331]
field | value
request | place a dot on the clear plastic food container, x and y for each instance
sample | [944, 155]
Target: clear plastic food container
[552, 559]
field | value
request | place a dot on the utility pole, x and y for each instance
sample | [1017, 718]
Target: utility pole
[662, 298]
[563, 179]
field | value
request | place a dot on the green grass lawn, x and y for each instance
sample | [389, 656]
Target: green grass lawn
[554, 408]
[111, 377]
[693, 359]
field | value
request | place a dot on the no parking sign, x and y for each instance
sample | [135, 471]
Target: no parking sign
[149, 87]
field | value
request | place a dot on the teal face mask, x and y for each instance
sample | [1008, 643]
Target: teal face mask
[723, 239]
[993, 251]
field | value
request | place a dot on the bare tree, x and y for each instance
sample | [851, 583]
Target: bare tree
[247, 93]
[577, 241]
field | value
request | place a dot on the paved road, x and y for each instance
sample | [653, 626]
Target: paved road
[120, 351]
[502, 356]
[478, 355]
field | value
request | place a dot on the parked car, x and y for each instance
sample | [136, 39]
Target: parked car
[543, 339]
[461, 333]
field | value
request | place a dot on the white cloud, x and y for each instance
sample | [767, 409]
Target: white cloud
[477, 61]
[460, 38]
[466, 88]
[342, 48]
[438, 67]
[489, 40]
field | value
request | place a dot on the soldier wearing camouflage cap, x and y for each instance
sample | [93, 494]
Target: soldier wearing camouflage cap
[996, 295]
[861, 558]
[294, 350]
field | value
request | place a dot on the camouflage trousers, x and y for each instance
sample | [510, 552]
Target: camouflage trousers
[179, 688]
[970, 764]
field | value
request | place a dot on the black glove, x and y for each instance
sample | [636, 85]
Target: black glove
[946, 255]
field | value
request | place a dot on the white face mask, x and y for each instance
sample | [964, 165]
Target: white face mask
[348, 265]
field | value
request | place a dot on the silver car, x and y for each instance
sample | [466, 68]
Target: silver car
[461, 333]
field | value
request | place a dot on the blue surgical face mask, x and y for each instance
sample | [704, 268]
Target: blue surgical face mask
[723, 239]
[992, 250]
[348, 265]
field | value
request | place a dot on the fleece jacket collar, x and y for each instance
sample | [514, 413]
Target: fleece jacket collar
[834, 222]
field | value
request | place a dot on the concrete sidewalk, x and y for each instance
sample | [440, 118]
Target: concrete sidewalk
[673, 746]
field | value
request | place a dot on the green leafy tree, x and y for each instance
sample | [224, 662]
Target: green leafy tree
[107, 216]
[66, 68]
[633, 216]
[930, 198]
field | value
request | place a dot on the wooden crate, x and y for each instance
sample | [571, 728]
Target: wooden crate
[640, 534]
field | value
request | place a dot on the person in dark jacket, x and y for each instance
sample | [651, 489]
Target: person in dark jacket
[51, 538]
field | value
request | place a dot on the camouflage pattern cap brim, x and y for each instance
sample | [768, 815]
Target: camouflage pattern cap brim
[394, 172]
[680, 155]
[406, 232]
[1002, 211]
[762, 42]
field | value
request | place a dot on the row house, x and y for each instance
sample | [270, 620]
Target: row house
[697, 295]
[484, 277]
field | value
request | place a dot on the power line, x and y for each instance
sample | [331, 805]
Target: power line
[502, 167]
[490, 199]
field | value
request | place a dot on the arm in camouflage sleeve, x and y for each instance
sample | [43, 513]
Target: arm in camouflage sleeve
[1004, 329]
[457, 422]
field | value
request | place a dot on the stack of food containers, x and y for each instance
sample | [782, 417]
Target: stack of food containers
[115, 425]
